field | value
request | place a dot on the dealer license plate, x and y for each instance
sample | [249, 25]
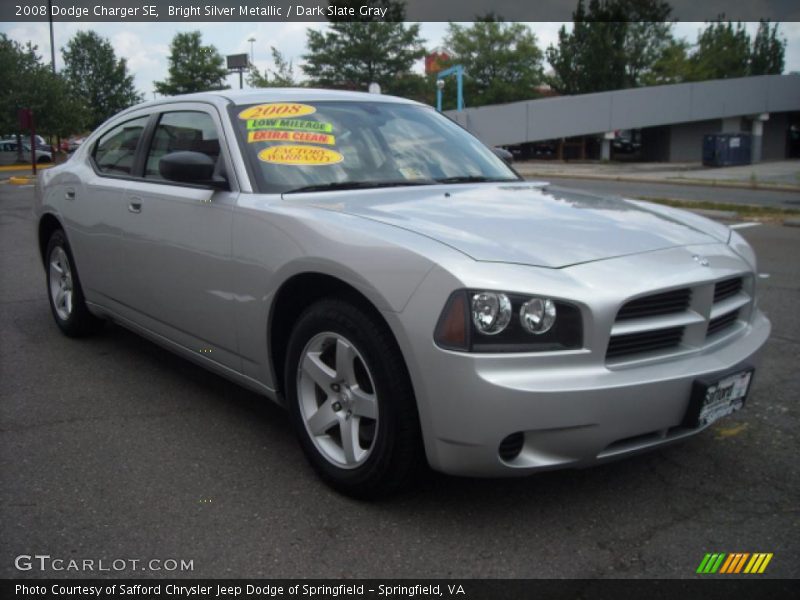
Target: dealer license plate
[724, 397]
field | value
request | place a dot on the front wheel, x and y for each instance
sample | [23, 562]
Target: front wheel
[351, 401]
[64, 290]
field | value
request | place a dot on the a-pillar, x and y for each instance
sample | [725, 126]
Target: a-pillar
[757, 137]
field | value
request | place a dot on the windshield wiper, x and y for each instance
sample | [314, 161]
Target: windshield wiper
[358, 185]
[472, 179]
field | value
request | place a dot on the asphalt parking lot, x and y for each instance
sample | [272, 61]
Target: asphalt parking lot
[111, 448]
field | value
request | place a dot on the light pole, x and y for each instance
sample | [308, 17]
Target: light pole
[52, 43]
[52, 59]
[252, 41]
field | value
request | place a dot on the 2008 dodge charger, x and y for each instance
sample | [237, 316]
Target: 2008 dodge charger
[409, 298]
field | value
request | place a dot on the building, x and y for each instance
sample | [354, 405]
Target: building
[669, 120]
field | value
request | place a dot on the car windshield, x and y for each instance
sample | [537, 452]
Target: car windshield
[315, 146]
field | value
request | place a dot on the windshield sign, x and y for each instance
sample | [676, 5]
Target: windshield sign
[316, 146]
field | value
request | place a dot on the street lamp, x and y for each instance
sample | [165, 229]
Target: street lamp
[52, 42]
[252, 41]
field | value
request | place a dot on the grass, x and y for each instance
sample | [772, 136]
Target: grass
[747, 212]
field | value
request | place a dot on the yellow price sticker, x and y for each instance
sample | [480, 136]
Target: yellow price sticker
[276, 110]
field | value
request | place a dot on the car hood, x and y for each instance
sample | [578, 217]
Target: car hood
[525, 223]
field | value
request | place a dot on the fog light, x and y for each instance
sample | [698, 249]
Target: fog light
[491, 312]
[511, 446]
[538, 315]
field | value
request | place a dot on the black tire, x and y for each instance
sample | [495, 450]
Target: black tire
[79, 322]
[395, 455]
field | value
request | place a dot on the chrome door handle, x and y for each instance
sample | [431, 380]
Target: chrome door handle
[135, 206]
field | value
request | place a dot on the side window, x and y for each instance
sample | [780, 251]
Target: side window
[114, 152]
[178, 131]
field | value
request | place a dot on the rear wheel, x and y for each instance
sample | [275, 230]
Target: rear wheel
[64, 290]
[351, 401]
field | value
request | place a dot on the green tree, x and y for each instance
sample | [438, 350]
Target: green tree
[351, 54]
[722, 51]
[672, 66]
[767, 55]
[281, 76]
[502, 62]
[29, 83]
[193, 67]
[613, 45]
[97, 77]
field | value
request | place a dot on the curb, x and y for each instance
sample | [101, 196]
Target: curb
[20, 180]
[715, 214]
[678, 181]
[39, 166]
[791, 222]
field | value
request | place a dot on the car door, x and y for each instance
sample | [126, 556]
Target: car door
[94, 209]
[176, 241]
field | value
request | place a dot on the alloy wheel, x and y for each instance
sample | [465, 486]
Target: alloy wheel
[337, 399]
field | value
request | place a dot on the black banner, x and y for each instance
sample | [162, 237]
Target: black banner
[708, 588]
[321, 10]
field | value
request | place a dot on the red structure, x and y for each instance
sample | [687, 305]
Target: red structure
[435, 61]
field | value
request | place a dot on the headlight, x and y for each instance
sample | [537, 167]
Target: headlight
[490, 321]
[491, 312]
[537, 315]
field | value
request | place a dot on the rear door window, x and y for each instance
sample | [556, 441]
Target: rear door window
[115, 151]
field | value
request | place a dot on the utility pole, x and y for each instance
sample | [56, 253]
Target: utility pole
[252, 41]
[52, 43]
[52, 65]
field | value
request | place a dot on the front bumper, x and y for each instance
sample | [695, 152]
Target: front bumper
[573, 417]
[572, 409]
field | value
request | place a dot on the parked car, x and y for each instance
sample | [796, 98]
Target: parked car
[10, 156]
[72, 144]
[503, 154]
[43, 146]
[370, 265]
[624, 145]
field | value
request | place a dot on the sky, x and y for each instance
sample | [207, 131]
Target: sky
[146, 45]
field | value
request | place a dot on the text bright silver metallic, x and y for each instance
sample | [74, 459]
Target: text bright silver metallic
[197, 268]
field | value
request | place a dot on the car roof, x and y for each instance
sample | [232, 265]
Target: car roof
[265, 95]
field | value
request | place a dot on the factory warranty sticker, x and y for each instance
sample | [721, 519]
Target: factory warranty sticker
[299, 155]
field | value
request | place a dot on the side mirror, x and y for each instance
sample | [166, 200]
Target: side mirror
[190, 167]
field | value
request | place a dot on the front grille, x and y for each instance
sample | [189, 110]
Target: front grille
[727, 289]
[722, 322]
[664, 303]
[679, 321]
[647, 341]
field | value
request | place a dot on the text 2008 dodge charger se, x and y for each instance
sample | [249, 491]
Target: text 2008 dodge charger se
[371, 265]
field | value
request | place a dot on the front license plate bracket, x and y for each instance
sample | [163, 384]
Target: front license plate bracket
[718, 395]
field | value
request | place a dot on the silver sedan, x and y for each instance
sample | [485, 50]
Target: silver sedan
[401, 290]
